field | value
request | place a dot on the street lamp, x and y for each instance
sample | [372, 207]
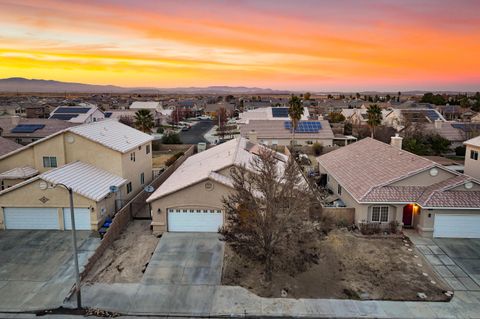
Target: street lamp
[74, 239]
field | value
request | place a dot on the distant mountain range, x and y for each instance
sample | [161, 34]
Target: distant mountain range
[48, 86]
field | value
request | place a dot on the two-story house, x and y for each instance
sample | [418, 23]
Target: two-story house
[90, 159]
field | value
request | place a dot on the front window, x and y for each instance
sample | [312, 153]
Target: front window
[49, 161]
[339, 190]
[380, 214]
[129, 187]
[142, 178]
[147, 149]
[132, 156]
[474, 155]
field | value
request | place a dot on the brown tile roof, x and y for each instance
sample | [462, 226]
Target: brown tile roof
[368, 163]
[276, 129]
[7, 146]
[365, 169]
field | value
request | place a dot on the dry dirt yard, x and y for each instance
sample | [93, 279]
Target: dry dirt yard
[127, 258]
[349, 267]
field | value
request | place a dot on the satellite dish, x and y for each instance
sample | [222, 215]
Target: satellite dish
[43, 185]
[149, 189]
[113, 189]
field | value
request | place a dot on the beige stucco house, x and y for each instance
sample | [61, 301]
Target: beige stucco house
[385, 183]
[88, 158]
[191, 198]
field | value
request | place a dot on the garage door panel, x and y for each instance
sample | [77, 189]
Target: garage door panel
[194, 221]
[456, 226]
[31, 218]
[82, 218]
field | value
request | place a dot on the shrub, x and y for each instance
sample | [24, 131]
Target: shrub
[393, 225]
[171, 138]
[317, 148]
[369, 228]
[173, 158]
[160, 130]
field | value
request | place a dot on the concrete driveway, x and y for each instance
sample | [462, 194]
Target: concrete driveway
[465, 253]
[36, 267]
[187, 259]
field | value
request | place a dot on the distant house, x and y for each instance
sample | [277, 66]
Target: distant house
[279, 133]
[6, 146]
[360, 116]
[24, 131]
[37, 111]
[77, 114]
[270, 114]
[160, 115]
[148, 105]
[400, 118]
[386, 184]
[212, 109]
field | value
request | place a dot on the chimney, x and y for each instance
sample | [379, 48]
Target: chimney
[252, 136]
[438, 124]
[15, 120]
[396, 141]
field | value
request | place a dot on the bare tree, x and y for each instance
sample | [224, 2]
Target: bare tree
[267, 213]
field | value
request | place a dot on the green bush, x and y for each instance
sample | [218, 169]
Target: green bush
[171, 138]
[160, 130]
[460, 150]
[174, 157]
[317, 148]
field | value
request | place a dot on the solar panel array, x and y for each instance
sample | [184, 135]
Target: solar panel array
[77, 110]
[432, 115]
[305, 127]
[64, 117]
[467, 127]
[279, 111]
[27, 128]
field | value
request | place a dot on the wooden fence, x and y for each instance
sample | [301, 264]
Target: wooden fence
[125, 215]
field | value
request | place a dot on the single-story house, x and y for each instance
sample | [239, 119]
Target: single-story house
[385, 183]
[212, 109]
[190, 200]
[279, 133]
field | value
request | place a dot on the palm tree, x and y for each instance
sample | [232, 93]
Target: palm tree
[143, 121]
[295, 112]
[374, 113]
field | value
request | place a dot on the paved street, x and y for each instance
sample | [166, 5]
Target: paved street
[195, 134]
[36, 267]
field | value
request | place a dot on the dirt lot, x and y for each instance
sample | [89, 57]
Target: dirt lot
[349, 267]
[159, 160]
[126, 259]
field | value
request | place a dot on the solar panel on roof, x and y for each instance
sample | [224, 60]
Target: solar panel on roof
[304, 127]
[27, 128]
[64, 117]
[279, 112]
[108, 114]
[77, 110]
[432, 115]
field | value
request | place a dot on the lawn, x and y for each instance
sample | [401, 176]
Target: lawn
[349, 267]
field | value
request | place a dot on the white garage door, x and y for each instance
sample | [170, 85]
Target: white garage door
[31, 218]
[194, 220]
[456, 226]
[82, 218]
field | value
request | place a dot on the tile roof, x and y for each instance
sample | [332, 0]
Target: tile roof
[276, 129]
[19, 173]
[84, 179]
[145, 105]
[368, 163]
[7, 146]
[366, 168]
[206, 164]
[112, 134]
[473, 141]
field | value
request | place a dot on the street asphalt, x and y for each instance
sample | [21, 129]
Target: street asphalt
[195, 134]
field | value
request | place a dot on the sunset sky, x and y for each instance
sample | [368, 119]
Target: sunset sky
[298, 45]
